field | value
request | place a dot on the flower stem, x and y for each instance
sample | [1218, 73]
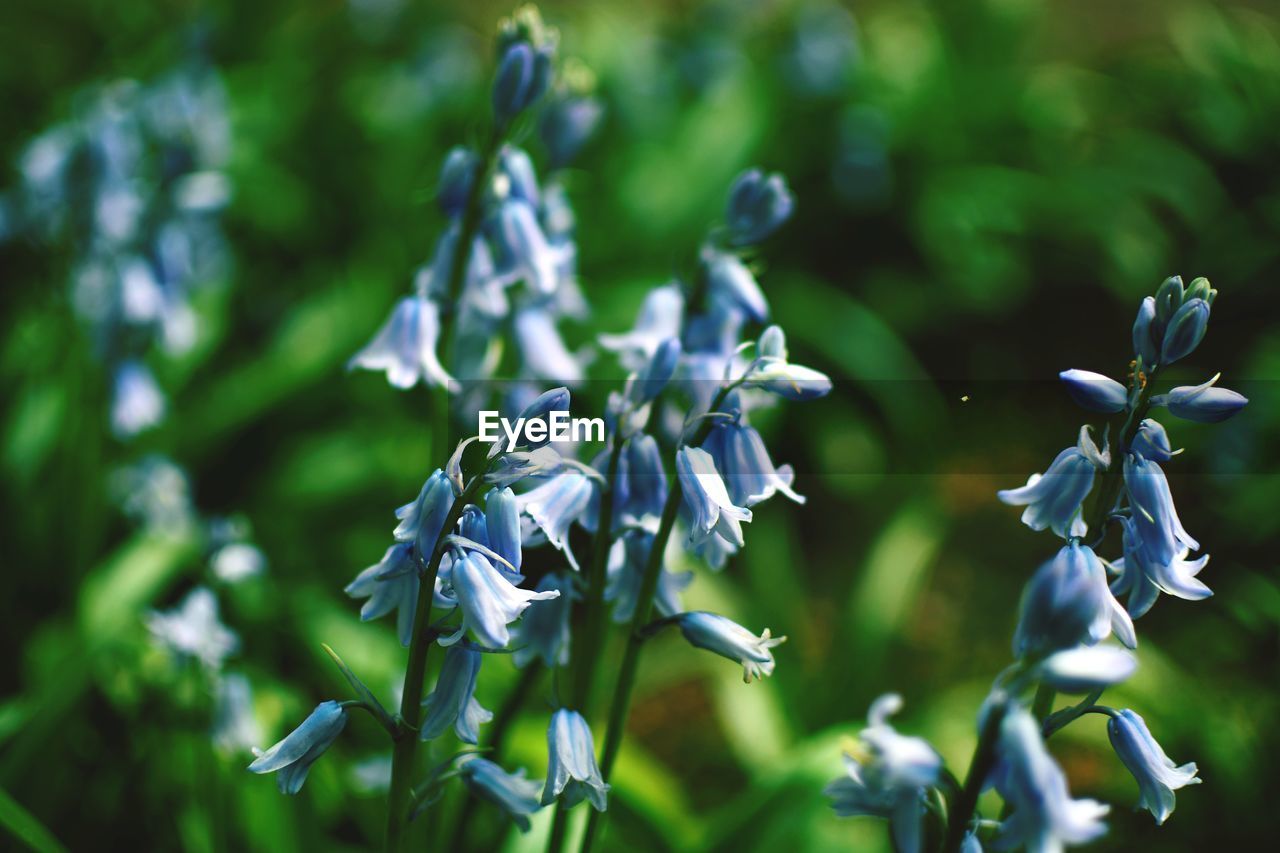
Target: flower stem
[621, 703]
[984, 758]
[406, 738]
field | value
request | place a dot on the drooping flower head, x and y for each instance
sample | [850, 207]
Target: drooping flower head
[515, 795]
[572, 772]
[727, 638]
[453, 701]
[292, 757]
[1158, 776]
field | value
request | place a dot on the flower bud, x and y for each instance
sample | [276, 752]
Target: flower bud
[1169, 298]
[758, 205]
[1147, 333]
[727, 638]
[1205, 403]
[572, 772]
[1185, 331]
[1152, 442]
[772, 343]
[649, 383]
[514, 83]
[1157, 775]
[456, 176]
[566, 125]
[1064, 604]
[1201, 289]
[1095, 392]
[514, 164]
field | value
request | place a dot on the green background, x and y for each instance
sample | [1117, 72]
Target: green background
[985, 192]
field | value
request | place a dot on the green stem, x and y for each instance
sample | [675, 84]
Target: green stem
[406, 738]
[1042, 705]
[984, 758]
[621, 702]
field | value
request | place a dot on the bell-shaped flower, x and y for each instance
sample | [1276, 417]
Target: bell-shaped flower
[732, 283]
[522, 247]
[520, 80]
[758, 205]
[646, 482]
[711, 510]
[1157, 775]
[659, 320]
[502, 525]
[649, 382]
[516, 168]
[137, 403]
[543, 352]
[1144, 577]
[543, 632]
[1044, 816]
[556, 504]
[515, 795]
[1053, 499]
[422, 521]
[511, 468]
[727, 638]
[405, 348]
[1152, 442]
[1148, 333]
[489, 602]
[390, 584]
[1087, 668]
[627, 559]
[891, 778]
[1095, 392]
[1156, 523]
[772, 371]
[1067, 603]
[743, 461]
[1185, 331]
[293, 756]
[1204, 403]
[457, 174]
[572, 773]
[193, 629]
[453, 701]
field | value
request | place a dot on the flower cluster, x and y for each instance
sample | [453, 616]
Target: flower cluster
[1070, 606]
[133, 184]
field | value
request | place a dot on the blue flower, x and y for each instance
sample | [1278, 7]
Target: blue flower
[1095, 392]
[646, 482]
[572, 772]
[453, 701]
[732, 284]
[1185, 331]
[1053, 499]
[489, 602]
[294, 755]
[711, 510]
[193, 630]
[1152, 442]
[1087, 668]
[556, 504]
[405, 347]
[543, 631]
[1157, 532]
[1202, 403]
[627, 559]
[566, 123]
[650, 381]
[391, 584]
[1067, 603]
[137, 403]
[758, 205]
[743, 461]
[511, 468]
[523, 249]
[1144, 575]
[660, 318]
[543, 352]
[727, 638]
[1044, 816]
[1157, 775]
[502, 525]
[523, 74]
[772, 371]
[511, 792]
[522, 181]
[891, 781]
[422, 521]
[1148, 332]
[457, 174]
[234, 725]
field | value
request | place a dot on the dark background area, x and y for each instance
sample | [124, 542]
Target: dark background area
[985, 191]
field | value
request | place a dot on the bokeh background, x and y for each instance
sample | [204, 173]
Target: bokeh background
[985, 192]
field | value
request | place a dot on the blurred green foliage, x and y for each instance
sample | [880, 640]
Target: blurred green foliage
[986, 189]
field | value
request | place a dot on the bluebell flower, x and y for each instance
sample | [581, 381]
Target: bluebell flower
[293, 756]
[890, 781]
[621, 486]
[1152, 442]
[555, 400]
[405, 348]
[649, 382]
[566, 123]
[1084, 669]
[489, 602]
[457, 174]
[234, 725]
[758, 205]
[1169, 297]
[1044, 816]
[1067, 603]
[543, 352]
[627, 559]
[511, 468]
[774, 372]
[727, 638]
[711, 510]
[556, 504]
[1053, 499]
[522, 181]
[193, 629]
[1161, 542]
[502, 525]
[646, 482]
[1157, 775]
[391, 584]
[523, 249]
[453, 701]
[510, 792]
[660, 318]
[543, 632]
[1148, 333]
[743, 461]
[1204, 403]
[137, 403]
[1185, 331]
[572, 773]
[1095, 392]
[730, 281]
[1144, 574]
[422, 521]
[514, 85]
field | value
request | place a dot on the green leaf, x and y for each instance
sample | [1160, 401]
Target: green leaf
[23, 825]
